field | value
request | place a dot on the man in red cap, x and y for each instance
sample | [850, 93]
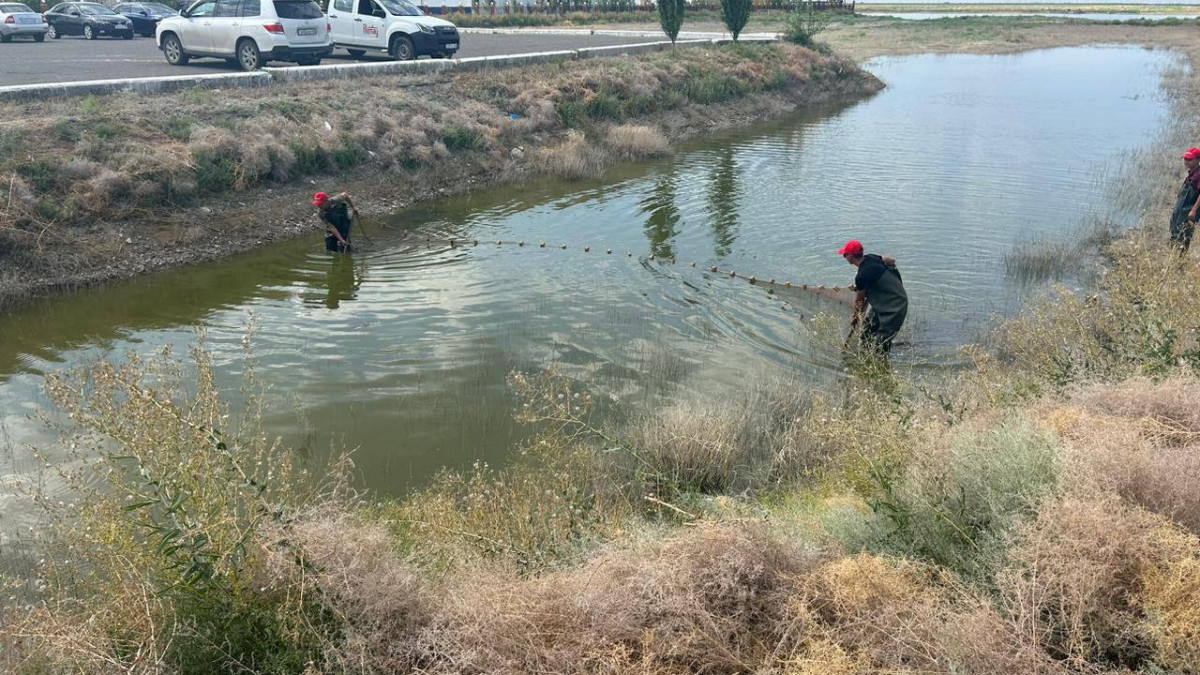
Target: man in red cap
[878, 284]
[1183, 218]
[335, 212]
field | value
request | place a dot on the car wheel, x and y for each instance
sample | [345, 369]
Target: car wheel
[173, 50]
[309, 62]
[401, 48]
[128, 36]
[356, 53]
[39, 38]
[52, 32]
[89, 33]
[5, 38]
[248, 56]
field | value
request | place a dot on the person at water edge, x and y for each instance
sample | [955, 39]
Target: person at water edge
[879, 285]
[1183, 218]
[336, 213]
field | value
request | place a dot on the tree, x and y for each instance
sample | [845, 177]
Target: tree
[670, 17]
[735, 14]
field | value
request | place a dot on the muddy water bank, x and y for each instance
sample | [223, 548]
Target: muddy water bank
[194, 177]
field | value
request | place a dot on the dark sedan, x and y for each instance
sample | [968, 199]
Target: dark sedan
[144, 15]
[89, 19]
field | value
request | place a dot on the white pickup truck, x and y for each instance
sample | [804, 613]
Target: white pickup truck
[393, 26]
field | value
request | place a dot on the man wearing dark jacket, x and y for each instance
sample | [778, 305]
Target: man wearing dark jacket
[1183, 218]
[336, 213]
[878, 284]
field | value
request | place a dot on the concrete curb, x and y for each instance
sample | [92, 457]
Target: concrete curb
[487, 62]
[140, 85]
[345, 70]
[268, 76]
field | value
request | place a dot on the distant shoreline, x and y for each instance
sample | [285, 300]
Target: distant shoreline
[1035, 8]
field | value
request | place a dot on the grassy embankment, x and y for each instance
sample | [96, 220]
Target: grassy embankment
[99, 188]
[1037, 514]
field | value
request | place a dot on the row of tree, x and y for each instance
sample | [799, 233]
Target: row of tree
[735, 14]
[806, 20]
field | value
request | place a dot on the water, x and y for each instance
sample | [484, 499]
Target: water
[1012, 2]
[402, 351]
[1082, 16]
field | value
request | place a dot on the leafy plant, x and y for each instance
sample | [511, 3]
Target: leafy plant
[805, 22]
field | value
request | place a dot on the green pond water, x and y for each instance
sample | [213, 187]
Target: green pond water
[402, 350]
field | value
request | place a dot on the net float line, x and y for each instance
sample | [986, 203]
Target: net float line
[843, 294]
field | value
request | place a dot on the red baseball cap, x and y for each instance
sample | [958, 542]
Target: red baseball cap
[1192, 153]
[320, 198]
[852, 247]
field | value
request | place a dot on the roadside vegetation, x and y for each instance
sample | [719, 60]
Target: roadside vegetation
[93, 179]
[1034, 513]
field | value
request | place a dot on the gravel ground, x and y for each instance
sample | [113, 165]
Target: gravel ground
[73, 59]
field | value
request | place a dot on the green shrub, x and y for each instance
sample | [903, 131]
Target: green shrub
[957, 510]
[297, 110]
[65, 129]
[310, 156]
[348, 155]
[462, 138]
[572, 113]
[11, 142]
[170, 494]
[712, 88]
[605, 106]
[641, 104]
[214, 172]
[90, 106]
[805, 22]
[105, 131]
[42, 174]
[178, 128]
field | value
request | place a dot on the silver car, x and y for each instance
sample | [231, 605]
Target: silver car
[17, 20]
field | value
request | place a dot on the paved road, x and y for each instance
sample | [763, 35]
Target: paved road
[73, 59]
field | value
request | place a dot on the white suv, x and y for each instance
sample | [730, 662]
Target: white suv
[392, 26]
[247, 32]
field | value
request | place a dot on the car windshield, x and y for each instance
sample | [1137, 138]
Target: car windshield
[14, 9]
[156, 8]
[96, 10]
[298, 9]
[401, 8]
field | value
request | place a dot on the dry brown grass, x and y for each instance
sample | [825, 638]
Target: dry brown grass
[574, 158]
[631, 142]
[1172, 604]
[1139, 440]
[351, 565]
[709, 601]
[1077, 578]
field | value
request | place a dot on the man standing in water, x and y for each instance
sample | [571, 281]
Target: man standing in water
[336, 212]
[1183, 218]
[879, 284]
